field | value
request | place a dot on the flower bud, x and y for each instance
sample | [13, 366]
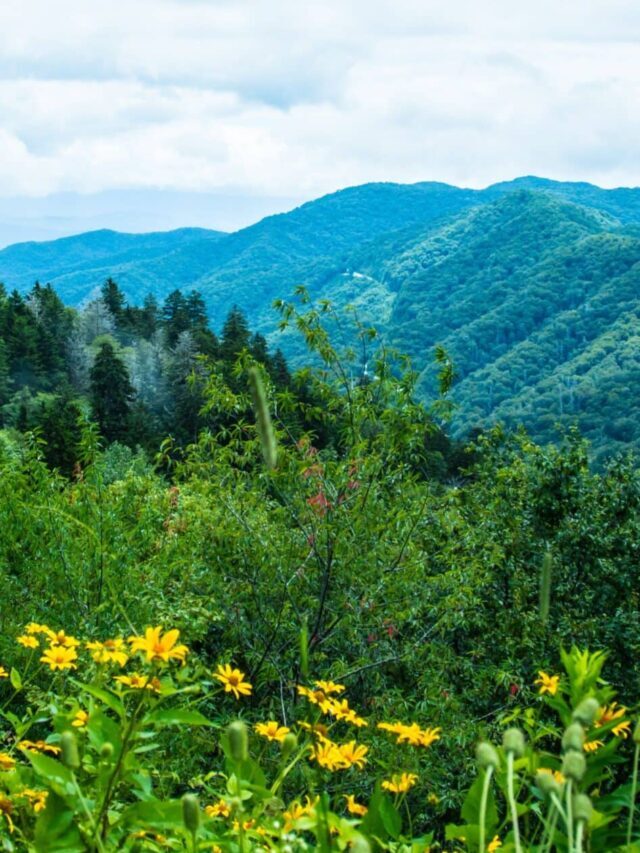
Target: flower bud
[547, 783]
[69, 748]
[288, 744]
[360, 845]
[582, 808]
[586, 711]
[487, 755]
[513, 741]
[573, 738]
[191, 812]
[238, 740]
[106, 751]
[574, 766]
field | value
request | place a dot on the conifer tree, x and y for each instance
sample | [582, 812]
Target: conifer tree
[111, 394]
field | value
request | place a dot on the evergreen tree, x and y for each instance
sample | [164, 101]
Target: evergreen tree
[111, 394]
[235, 336]
[113, 298]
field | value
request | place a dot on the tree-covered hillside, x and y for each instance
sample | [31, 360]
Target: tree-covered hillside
[530, 285]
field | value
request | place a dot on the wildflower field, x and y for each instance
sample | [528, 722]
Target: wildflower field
[281, 639]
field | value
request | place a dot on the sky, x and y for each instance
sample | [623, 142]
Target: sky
[152, 114]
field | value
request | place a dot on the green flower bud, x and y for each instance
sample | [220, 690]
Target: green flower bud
[582, 808]
[513, 741]
[238, 740]
[573, 738]
[547, 783]
[586, 712]
[360, 845]
[106, 751]
[574, 765]
[191, 812]
[487, 755]
[288, 744]
[69, 747]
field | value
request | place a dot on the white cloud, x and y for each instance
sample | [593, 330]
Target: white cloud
[292, 98]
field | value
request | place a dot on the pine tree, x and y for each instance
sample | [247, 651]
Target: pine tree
[111, 394]
[113, 298]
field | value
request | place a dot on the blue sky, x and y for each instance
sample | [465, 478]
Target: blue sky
[158, 113]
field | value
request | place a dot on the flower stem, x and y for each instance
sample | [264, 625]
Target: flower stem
[569, 818]
[483, 805]
[512, 804]
[634, 787]
[579, 836]
[549, 832]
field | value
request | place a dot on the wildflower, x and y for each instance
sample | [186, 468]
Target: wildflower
[494, 845]
[272, 731]
[233, 680]
[37, 628]
[394, 728]
[353, 807]
[316, 697]
[296, 811]
[138, 682]
[610, 713]
[246, 825]
[6, 762]
[6, 810]
[3, 672]
[59, 638]
[548, 683]
[412, 734]
[59, 657]
[80, 720]
[318, 729]
[329, 756]
[400, 783]
[219, 809]
[341, 711]
[111, 651]
[39, 746]
[158, 646]
[37, 799]
[354, 755]
[592, 745]
[329, 687]
[28, 641]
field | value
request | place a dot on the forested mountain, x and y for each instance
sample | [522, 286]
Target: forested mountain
[531, 285]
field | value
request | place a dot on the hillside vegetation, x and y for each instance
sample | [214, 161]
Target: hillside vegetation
[530, 285]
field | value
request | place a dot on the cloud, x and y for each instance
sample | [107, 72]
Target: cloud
[294, 99]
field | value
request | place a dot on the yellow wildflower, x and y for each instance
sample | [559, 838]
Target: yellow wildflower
[592, 745]
[111, 651]
[316, 697]
[353, 754]
[339, 708]
[37, 628]
[233, 680]
[412, 733]
[329, 687]
[39, 746]
[3, 672]
[246, 825]
[6, 810]
[28, 641]
[296, 810]
[37, 799]
[394, 728]
[6, 762]
[353, 807]
[138, 682]
[548, 683]
[400, 783]
[59, 638]
[219, 809]
[272, 731]
[59, 657]
[328, 755]
[80, 720]
[610, 713]
[494, 845]
[159, 647]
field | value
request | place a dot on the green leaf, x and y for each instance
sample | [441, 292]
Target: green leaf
[16, 680]
[156, 813]
[179, 717]
[471, 806]
[105, 696]
[57, 776]
[55, 829]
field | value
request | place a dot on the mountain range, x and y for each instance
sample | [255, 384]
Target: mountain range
[533, 286]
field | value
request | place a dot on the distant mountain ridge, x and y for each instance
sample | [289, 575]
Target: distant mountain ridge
[531, 284]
